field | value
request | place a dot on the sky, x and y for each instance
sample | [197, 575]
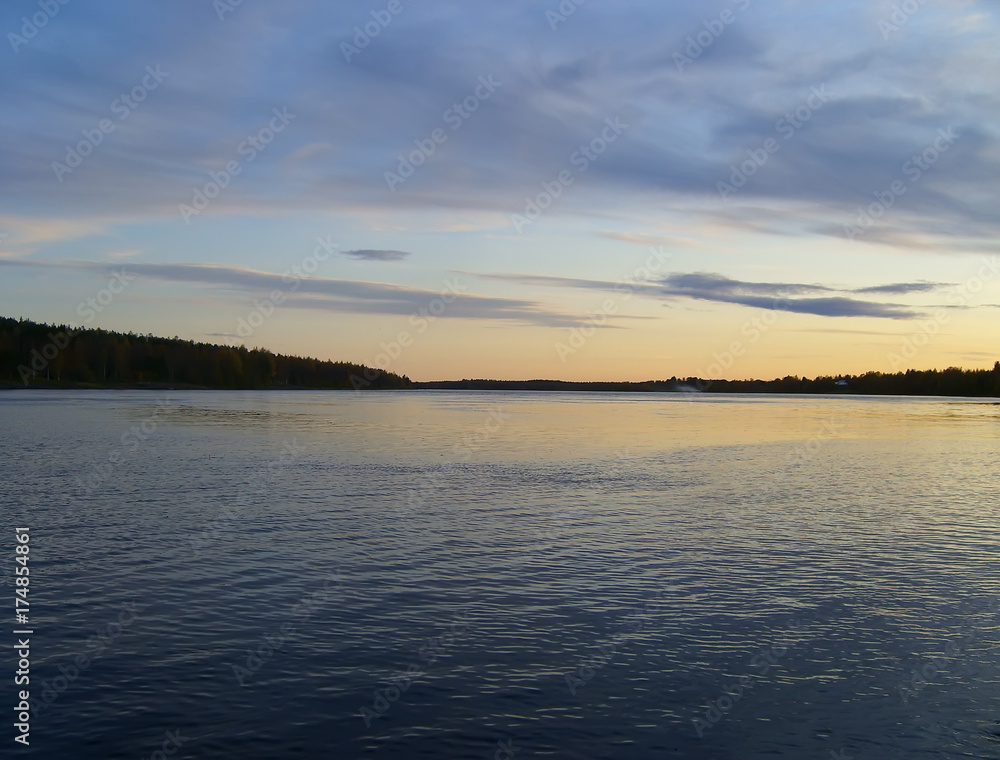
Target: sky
[581, 190]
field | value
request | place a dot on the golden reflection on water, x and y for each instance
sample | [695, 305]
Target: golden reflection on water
[571, 426]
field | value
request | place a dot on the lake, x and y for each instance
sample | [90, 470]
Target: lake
[495, 575]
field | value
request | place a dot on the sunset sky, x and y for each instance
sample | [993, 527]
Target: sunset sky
[616, 191]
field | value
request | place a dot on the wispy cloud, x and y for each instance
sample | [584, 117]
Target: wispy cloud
[800, 298]
[327, 294]
[375, 255]
[647, 239]
[717, 283]
[549, 281]
[903, 287]
[25, 233]
[796, 298]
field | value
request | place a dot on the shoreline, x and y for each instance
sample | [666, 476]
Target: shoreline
[423, 387]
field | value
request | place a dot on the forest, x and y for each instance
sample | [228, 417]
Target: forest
[36, 354]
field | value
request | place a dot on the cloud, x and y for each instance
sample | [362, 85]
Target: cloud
[26, 233]
[549, 281]
[646, 239]
[326, 294]
[823, 307]
[375, 255]
[903, 287]
[686, 128]
[720, 284]
[801, 298]
[778, 297]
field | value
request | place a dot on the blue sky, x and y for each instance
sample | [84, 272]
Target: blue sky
[728, 189]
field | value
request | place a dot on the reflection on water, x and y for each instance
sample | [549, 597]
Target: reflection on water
[454, 575]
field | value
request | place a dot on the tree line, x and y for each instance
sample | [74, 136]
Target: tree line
[36, 354]
[947, 382]
[953, 381]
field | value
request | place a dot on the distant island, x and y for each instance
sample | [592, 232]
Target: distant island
[948, 382]
[38, 355]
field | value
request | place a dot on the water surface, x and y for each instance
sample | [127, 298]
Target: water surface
[445, 574]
